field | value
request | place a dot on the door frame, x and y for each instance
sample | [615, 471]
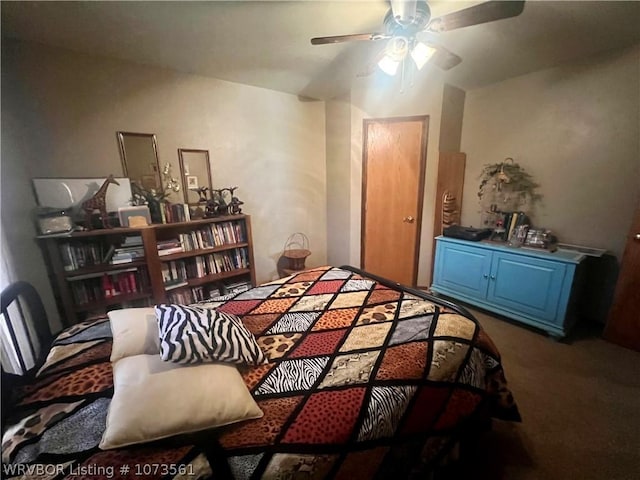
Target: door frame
[421, 182]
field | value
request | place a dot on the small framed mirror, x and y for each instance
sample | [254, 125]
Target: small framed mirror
[139, 153]
[196, 174]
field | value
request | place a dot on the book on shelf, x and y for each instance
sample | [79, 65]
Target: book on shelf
[166, 210]
[512, 224]
[170, 251]
[174, 274]
[176, 284]
[126, 256]
[98, 287]
[173, 242]
[132, 240]
[129, 251]
[187, 212]
[236, 287]
[121, 261]
[189, 295]
[100, 274]
[175, 212]
[109, 253]
[212, 292]
[79, 255]
[167, 247]
[511, 220]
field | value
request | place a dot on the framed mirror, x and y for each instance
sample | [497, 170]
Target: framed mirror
[139, 153]
[196, 173]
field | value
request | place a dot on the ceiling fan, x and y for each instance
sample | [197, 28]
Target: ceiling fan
[411, 31]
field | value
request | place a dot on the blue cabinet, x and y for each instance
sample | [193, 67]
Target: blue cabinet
[531, 286]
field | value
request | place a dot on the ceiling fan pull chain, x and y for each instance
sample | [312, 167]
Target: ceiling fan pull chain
[412, 74]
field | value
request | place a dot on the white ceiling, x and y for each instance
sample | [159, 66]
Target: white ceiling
[266, 43]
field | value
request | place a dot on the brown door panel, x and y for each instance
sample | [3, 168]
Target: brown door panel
[393, 189]
[623, 323]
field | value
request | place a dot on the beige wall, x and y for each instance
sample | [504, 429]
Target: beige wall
[61, 111]
[576, 129]
[452, 116]
[338, 131]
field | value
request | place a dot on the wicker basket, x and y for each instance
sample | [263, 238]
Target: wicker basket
[296, 251]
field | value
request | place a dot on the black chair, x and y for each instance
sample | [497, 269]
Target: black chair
[26, 330]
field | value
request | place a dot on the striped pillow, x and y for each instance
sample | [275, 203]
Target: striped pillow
[190, 334]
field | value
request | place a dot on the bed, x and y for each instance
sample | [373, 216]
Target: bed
[365, 379]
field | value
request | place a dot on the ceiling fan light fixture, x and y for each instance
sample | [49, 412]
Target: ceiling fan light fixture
[397, 48]
[388, 65]
[421, 54]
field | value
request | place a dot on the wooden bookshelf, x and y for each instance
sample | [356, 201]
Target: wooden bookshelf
[115, 300]
[149, 281]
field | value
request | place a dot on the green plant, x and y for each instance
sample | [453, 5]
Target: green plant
[141, 196]
[507, 186]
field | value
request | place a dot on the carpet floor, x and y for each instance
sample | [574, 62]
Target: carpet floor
[580, 406]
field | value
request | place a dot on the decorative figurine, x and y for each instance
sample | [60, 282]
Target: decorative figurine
[202, 193]
[98, 202]
[218, 204]
[234, 205]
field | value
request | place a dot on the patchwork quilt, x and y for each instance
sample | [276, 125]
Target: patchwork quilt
[363, 380]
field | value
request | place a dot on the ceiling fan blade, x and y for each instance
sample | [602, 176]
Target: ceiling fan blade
[348, 38]
[482, 13]
[444, 59]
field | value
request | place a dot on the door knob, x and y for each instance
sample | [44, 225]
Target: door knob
[408, 219]
[637, 236]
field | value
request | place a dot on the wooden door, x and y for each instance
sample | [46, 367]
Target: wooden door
[623, 323]
[392, 195]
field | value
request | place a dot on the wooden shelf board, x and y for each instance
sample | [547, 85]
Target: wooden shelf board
[105, 267]
[204, 251]
[195, 282]
[203, 221]
[137, 230]
[125, 297]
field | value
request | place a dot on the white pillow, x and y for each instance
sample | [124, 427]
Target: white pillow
[154, 399]
[135, 332]
[191, 334]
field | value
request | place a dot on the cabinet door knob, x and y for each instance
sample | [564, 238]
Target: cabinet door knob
[493, 277]
[485, 275]
[408, 219]
[637, 236]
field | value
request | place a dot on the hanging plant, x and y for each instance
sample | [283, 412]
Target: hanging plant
[506, 186]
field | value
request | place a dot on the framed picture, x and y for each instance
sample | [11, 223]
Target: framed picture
[192, 181]
[149, 182]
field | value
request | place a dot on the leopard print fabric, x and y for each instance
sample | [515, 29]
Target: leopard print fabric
[338, 318]
[264, 430]
[292, 290]
[91, 379]
[275, 346]
[33, 426]
[379, 313]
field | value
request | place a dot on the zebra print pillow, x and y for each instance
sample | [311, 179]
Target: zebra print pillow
[190, 334]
